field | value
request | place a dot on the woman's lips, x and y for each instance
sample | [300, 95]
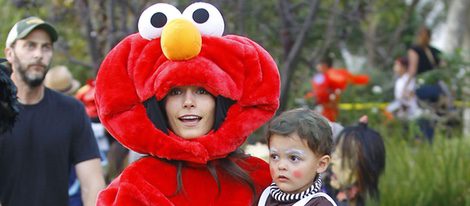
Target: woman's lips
[190, 120]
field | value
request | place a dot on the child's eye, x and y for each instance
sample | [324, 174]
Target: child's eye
[274, 156]
[294, 158]
[175, 91]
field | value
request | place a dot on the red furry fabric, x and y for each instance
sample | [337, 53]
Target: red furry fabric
[232, 66]
[152, 181]
[136, 70]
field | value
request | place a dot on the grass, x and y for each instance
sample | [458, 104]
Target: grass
[418, 173]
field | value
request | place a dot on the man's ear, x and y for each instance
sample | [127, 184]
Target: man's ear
[323, 163]
[9, 54]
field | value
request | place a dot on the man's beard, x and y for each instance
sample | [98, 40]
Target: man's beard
[31, 81]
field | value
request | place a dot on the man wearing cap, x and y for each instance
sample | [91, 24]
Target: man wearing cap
[52, 131]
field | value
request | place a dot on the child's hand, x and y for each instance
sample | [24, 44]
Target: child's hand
[407, 94]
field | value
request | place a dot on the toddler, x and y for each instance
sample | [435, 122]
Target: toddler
[357, 163]
[405, 105]
[300, 143]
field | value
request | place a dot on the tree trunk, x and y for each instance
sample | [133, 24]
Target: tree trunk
[456, 20]
[458, 36]
[84, 9]
[292, 52]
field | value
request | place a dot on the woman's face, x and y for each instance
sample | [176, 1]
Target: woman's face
[342, 174]
[293, 165]
[424, 37]
[190, 111]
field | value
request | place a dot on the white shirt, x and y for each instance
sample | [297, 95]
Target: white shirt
[411, 103]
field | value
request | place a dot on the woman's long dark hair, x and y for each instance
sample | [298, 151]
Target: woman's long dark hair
[156, 112]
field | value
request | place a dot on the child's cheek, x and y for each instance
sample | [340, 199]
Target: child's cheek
[297, 174]
[273, 171]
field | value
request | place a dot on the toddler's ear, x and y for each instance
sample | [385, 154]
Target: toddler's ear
[323, 163]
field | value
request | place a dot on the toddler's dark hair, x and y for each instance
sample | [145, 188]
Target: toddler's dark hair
[328, 61]
[308, 125]
[363, 149]
[403, 61]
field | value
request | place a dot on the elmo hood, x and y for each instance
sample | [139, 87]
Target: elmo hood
[177, 49]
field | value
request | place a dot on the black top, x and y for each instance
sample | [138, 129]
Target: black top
[36, 156]
[424, 64]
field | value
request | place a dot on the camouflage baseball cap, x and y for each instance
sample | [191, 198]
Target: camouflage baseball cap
[26, 26]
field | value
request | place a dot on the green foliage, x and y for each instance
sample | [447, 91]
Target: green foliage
[424, 174]
[9, 11]
[67, 26]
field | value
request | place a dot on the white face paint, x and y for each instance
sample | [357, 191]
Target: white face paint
[293, 164]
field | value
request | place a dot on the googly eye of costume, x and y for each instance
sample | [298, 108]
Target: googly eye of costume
[175, 49]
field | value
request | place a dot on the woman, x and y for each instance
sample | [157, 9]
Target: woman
[187, 97]
[423, 58]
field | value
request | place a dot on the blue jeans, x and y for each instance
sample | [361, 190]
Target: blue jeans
[427, 128]
[429, 92]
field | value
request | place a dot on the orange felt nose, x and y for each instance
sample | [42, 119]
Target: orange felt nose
[181, 40]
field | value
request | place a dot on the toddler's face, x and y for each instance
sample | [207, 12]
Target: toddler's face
[343, 175]
[321, 68]
[398, 68]
[292, 164]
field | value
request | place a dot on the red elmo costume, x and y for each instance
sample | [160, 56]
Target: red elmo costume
[328, 86]
[86, 95]
[147, 65]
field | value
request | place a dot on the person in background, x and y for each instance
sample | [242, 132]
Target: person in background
[423, 58]
[300, 142]
[59, 78]
[405, 106]
[326, 96]
[327, 86]
[52, 132]
[356, 165]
